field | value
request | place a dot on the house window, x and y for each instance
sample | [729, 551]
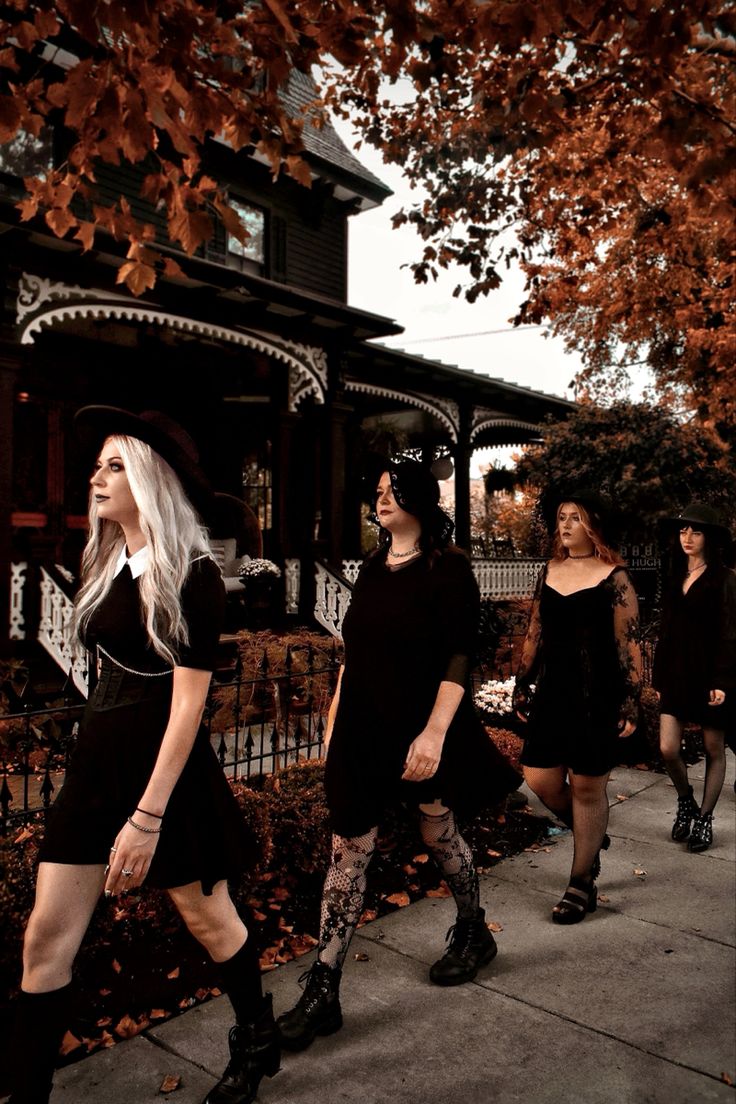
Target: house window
[249, 255]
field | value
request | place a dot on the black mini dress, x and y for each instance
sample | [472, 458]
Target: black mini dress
[696, 652]
[582, 654]
[204, 837]
[407, 630]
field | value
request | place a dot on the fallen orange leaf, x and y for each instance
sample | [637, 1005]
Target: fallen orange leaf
[116, 966]
[421, 858]
[440, 891]
[170, 1083]
[621, 797]
[639, 872]
[401, 899]
[69, 1043]
[361, 956]
[174, 973]
[494, 926]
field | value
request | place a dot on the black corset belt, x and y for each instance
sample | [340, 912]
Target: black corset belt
[117, 687]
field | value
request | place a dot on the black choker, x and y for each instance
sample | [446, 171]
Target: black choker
[583, 556]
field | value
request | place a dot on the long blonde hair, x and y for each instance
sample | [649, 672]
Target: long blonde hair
[601, 550]
[173, 533]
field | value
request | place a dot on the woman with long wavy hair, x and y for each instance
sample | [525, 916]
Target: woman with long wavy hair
[582, 655]
[144, 799]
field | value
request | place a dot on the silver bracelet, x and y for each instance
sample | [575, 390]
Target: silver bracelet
[140, 828]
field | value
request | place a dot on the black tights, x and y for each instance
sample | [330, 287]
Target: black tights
[344, 892]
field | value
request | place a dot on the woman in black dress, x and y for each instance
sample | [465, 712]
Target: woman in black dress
[582, 653]
[144, 799]
[402, 728]
[695, 665]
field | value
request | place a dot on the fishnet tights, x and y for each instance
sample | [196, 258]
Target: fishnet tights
[454, 858]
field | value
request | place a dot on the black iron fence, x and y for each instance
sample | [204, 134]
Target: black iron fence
[259, 718]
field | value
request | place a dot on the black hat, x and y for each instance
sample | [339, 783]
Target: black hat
[165, 436]
[417, 491]
[701, 516]
[598, 509]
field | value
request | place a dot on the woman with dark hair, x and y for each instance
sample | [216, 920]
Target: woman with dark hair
[144, 799]
[402, 727]
[694, 670]
[582, 656]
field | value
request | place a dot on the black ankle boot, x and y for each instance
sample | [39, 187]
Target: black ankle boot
[687, 811]
[317, 1012]
[40, 1022]
[471, 947]
[254, 1052]
[701, 836]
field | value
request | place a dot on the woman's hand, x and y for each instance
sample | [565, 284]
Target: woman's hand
[423, 757]
[130, 857]
[716, 697]
[625, 728]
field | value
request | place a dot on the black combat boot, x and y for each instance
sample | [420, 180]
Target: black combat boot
[687, 811]
[317, 1012]
[471, 947]
[40, 1022]
[254, 1052]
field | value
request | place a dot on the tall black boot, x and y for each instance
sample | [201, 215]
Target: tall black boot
[471, 947]
[254, 1052]
[40, 1023]
[317, 1012]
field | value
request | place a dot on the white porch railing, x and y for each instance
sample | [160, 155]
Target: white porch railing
[506, 578]
[53, 631]
[17, 629]
[331, 600]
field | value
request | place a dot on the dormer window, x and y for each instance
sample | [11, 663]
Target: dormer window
[250, 255]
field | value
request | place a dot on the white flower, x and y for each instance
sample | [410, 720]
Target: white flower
[495, 696]
[250, 569]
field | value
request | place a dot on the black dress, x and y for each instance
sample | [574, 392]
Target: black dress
[203, 837]
[582, 653]
[406, 631]
[696, 652]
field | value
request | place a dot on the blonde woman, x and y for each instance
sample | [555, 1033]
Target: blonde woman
[144, 799]
[582, 654]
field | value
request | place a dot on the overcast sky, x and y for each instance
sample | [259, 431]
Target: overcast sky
[378, 282]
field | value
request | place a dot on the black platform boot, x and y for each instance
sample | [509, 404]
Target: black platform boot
[687, 811]
[471, 946]
[40, 1022]
[701, 836]
[317, 1012]
[254, 1053]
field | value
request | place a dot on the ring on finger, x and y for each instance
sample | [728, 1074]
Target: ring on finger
[127, 873]
[113, 850]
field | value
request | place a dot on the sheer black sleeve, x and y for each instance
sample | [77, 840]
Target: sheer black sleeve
[626, 631]
[531, 650]
[203, 605]
[459, 613]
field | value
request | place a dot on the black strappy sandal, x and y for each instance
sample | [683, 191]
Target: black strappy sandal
[580, 898]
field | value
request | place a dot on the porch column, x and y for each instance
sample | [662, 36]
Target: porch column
[461, 455]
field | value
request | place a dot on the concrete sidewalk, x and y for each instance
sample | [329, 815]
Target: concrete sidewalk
[633, 1006]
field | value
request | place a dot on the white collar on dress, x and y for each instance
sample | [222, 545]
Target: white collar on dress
[137, 563]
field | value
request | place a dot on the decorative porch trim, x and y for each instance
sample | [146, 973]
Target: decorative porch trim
[53, 631]
[17, 588]
[444, 410]
[292, 580]
[37, 307]
[490, 419]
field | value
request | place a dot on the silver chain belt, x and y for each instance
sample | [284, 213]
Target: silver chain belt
[130, 670]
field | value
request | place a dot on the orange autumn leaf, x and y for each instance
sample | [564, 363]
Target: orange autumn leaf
[494, 926]
[174, 973]
[116, 966]
[69, 1043]
[401, 899]
[440, 892]
[170, 1083]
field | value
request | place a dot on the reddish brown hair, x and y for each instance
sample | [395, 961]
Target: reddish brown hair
[602, 550]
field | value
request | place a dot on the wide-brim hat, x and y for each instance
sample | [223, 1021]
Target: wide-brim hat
[417, 491]
[701, 516]
[94, 424]
[598, 508]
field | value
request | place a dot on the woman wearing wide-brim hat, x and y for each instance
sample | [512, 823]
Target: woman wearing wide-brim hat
[581, 654]
[694, 670]
[144, 798]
